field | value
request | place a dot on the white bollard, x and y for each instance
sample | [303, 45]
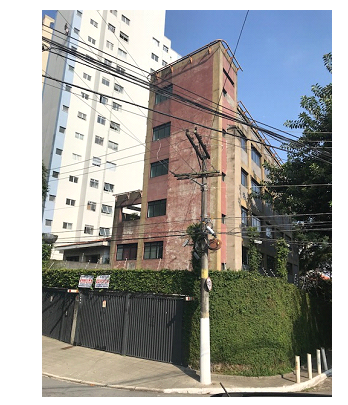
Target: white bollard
[324, 358]
[297, 369]
[318, 362]
[309, 365]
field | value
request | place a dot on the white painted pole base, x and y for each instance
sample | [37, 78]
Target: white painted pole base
[205, 351]
[297, 369]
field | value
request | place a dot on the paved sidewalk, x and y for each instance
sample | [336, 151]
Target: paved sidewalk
[80, 364]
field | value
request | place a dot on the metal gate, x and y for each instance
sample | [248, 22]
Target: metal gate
[57, 313]
[139, 325]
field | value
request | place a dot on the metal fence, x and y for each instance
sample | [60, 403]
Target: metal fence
[139, 325]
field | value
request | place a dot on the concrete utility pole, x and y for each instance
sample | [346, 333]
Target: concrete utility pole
[203, 155]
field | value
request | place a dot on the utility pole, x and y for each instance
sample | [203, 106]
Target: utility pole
[202, 155]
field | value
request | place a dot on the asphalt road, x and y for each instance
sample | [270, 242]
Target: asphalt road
[58, 388]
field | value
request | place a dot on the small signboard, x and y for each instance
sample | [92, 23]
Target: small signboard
[85, 281]
[102, 281]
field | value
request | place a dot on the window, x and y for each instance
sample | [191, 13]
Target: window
[73, 179]
[244, 217]
[75, 156]
[109, 45]
[91, 205]
[76, 31]
[101, 120]
[106, 209]
[155, 41]
[114, 12]
[96, 161]
[255, 187]
[255, 156]
[67, 225]
[118, 88]
[163, 94]
[106, 81]
[91, 40]
[153, 250]
[115, 126]
[55, 174]
[244, 178]
[128, 251]
[111, 27]
[162, 131]
[78, 13]
[87, 76]
[165, 48]
[79, 136]
[154, 57]
[243, 143]
[121, 53]
[107, 62]
[125, 19]
[48, 222]
[156, 208]
[256, 223]
[62, 130]
[68, 88]
[89, 229]
[104, 231]
[65, 108]
[223, 218]
[94, 23]
[224, 92]
[124, 36]
[94, 183]
[82, 115]
[84, 95]
[113, 145]
[69, 201]
[120, 70]
[110, 166]
[159, 168]
[164, 63]
[99, 140]
[103, 100]
[116, 106]
[108, 187]
[59, 151]
[51, 197]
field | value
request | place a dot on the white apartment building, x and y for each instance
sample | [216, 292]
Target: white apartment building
[93, 128]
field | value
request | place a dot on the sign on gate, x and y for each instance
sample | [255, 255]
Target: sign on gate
[102, 281]
[85, 281]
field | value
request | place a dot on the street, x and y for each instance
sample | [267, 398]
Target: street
[58, 388]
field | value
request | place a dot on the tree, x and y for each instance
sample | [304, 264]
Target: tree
[301, 187]
[44, 182]
[254, 254]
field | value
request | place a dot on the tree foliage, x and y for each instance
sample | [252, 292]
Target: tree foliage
[301, 187]
[44, 182]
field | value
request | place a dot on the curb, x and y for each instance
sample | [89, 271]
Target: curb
[296, 387]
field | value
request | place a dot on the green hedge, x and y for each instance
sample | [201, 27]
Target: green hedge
[257, 324]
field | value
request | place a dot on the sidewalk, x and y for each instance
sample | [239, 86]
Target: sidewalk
[79, 364]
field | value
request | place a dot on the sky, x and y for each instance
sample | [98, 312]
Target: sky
[280, 53]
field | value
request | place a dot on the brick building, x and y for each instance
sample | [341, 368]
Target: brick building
[149, 230]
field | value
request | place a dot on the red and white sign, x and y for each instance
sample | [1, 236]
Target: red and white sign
[85, 281]
[102, 281]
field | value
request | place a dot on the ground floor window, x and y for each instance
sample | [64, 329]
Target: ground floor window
[153, 250]
[127, 251]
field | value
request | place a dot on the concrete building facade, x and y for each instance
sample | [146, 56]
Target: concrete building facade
[93, 126]
[198, 91]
